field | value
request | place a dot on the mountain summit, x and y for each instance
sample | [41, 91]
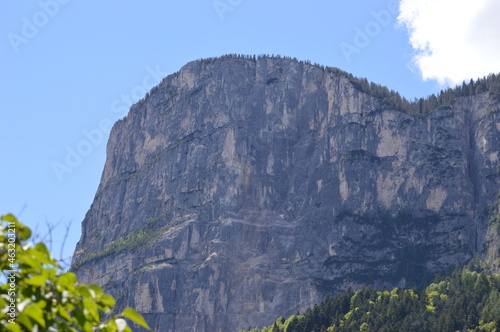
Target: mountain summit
[245, 188]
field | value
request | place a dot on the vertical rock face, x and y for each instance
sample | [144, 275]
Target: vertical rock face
[242, 189]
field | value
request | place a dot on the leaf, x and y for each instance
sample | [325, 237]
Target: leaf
[24, 321]
[9, 217]
[35, 313]
[23, 231]
[66, 279]
[92, 309]
[42, 253]
[79, 317]
[127, 329]
[108, 300]
[38, 281]
[84, 291]
[72, 277]
[135, 317]
[97, 290]
[40, 246]
[42, 304]
[14, 328]
[63, 313]
[87, 327]
[29, 261]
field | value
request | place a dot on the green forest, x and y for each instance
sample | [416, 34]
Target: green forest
[468, 300]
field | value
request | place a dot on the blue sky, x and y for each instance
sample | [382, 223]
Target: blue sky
[69, 69]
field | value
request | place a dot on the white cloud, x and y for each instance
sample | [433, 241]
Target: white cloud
[454, 40]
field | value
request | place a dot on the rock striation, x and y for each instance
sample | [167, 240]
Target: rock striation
[241, 189]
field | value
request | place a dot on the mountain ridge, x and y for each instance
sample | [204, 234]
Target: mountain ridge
[489, 83]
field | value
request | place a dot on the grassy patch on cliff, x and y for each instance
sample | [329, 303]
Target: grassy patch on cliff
[132, 241]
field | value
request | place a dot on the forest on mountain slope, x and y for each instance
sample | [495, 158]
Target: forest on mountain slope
[468, 300]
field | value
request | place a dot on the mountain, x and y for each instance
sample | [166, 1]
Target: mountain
[244, 188]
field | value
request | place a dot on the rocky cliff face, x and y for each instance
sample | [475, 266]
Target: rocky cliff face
[239, 190]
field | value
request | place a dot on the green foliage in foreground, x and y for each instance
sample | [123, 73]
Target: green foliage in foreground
[466, 301]
[38, 296]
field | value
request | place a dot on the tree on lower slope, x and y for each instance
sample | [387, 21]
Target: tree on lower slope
[466, 301]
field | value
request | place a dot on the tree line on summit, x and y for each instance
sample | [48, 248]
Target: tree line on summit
[391, 98]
